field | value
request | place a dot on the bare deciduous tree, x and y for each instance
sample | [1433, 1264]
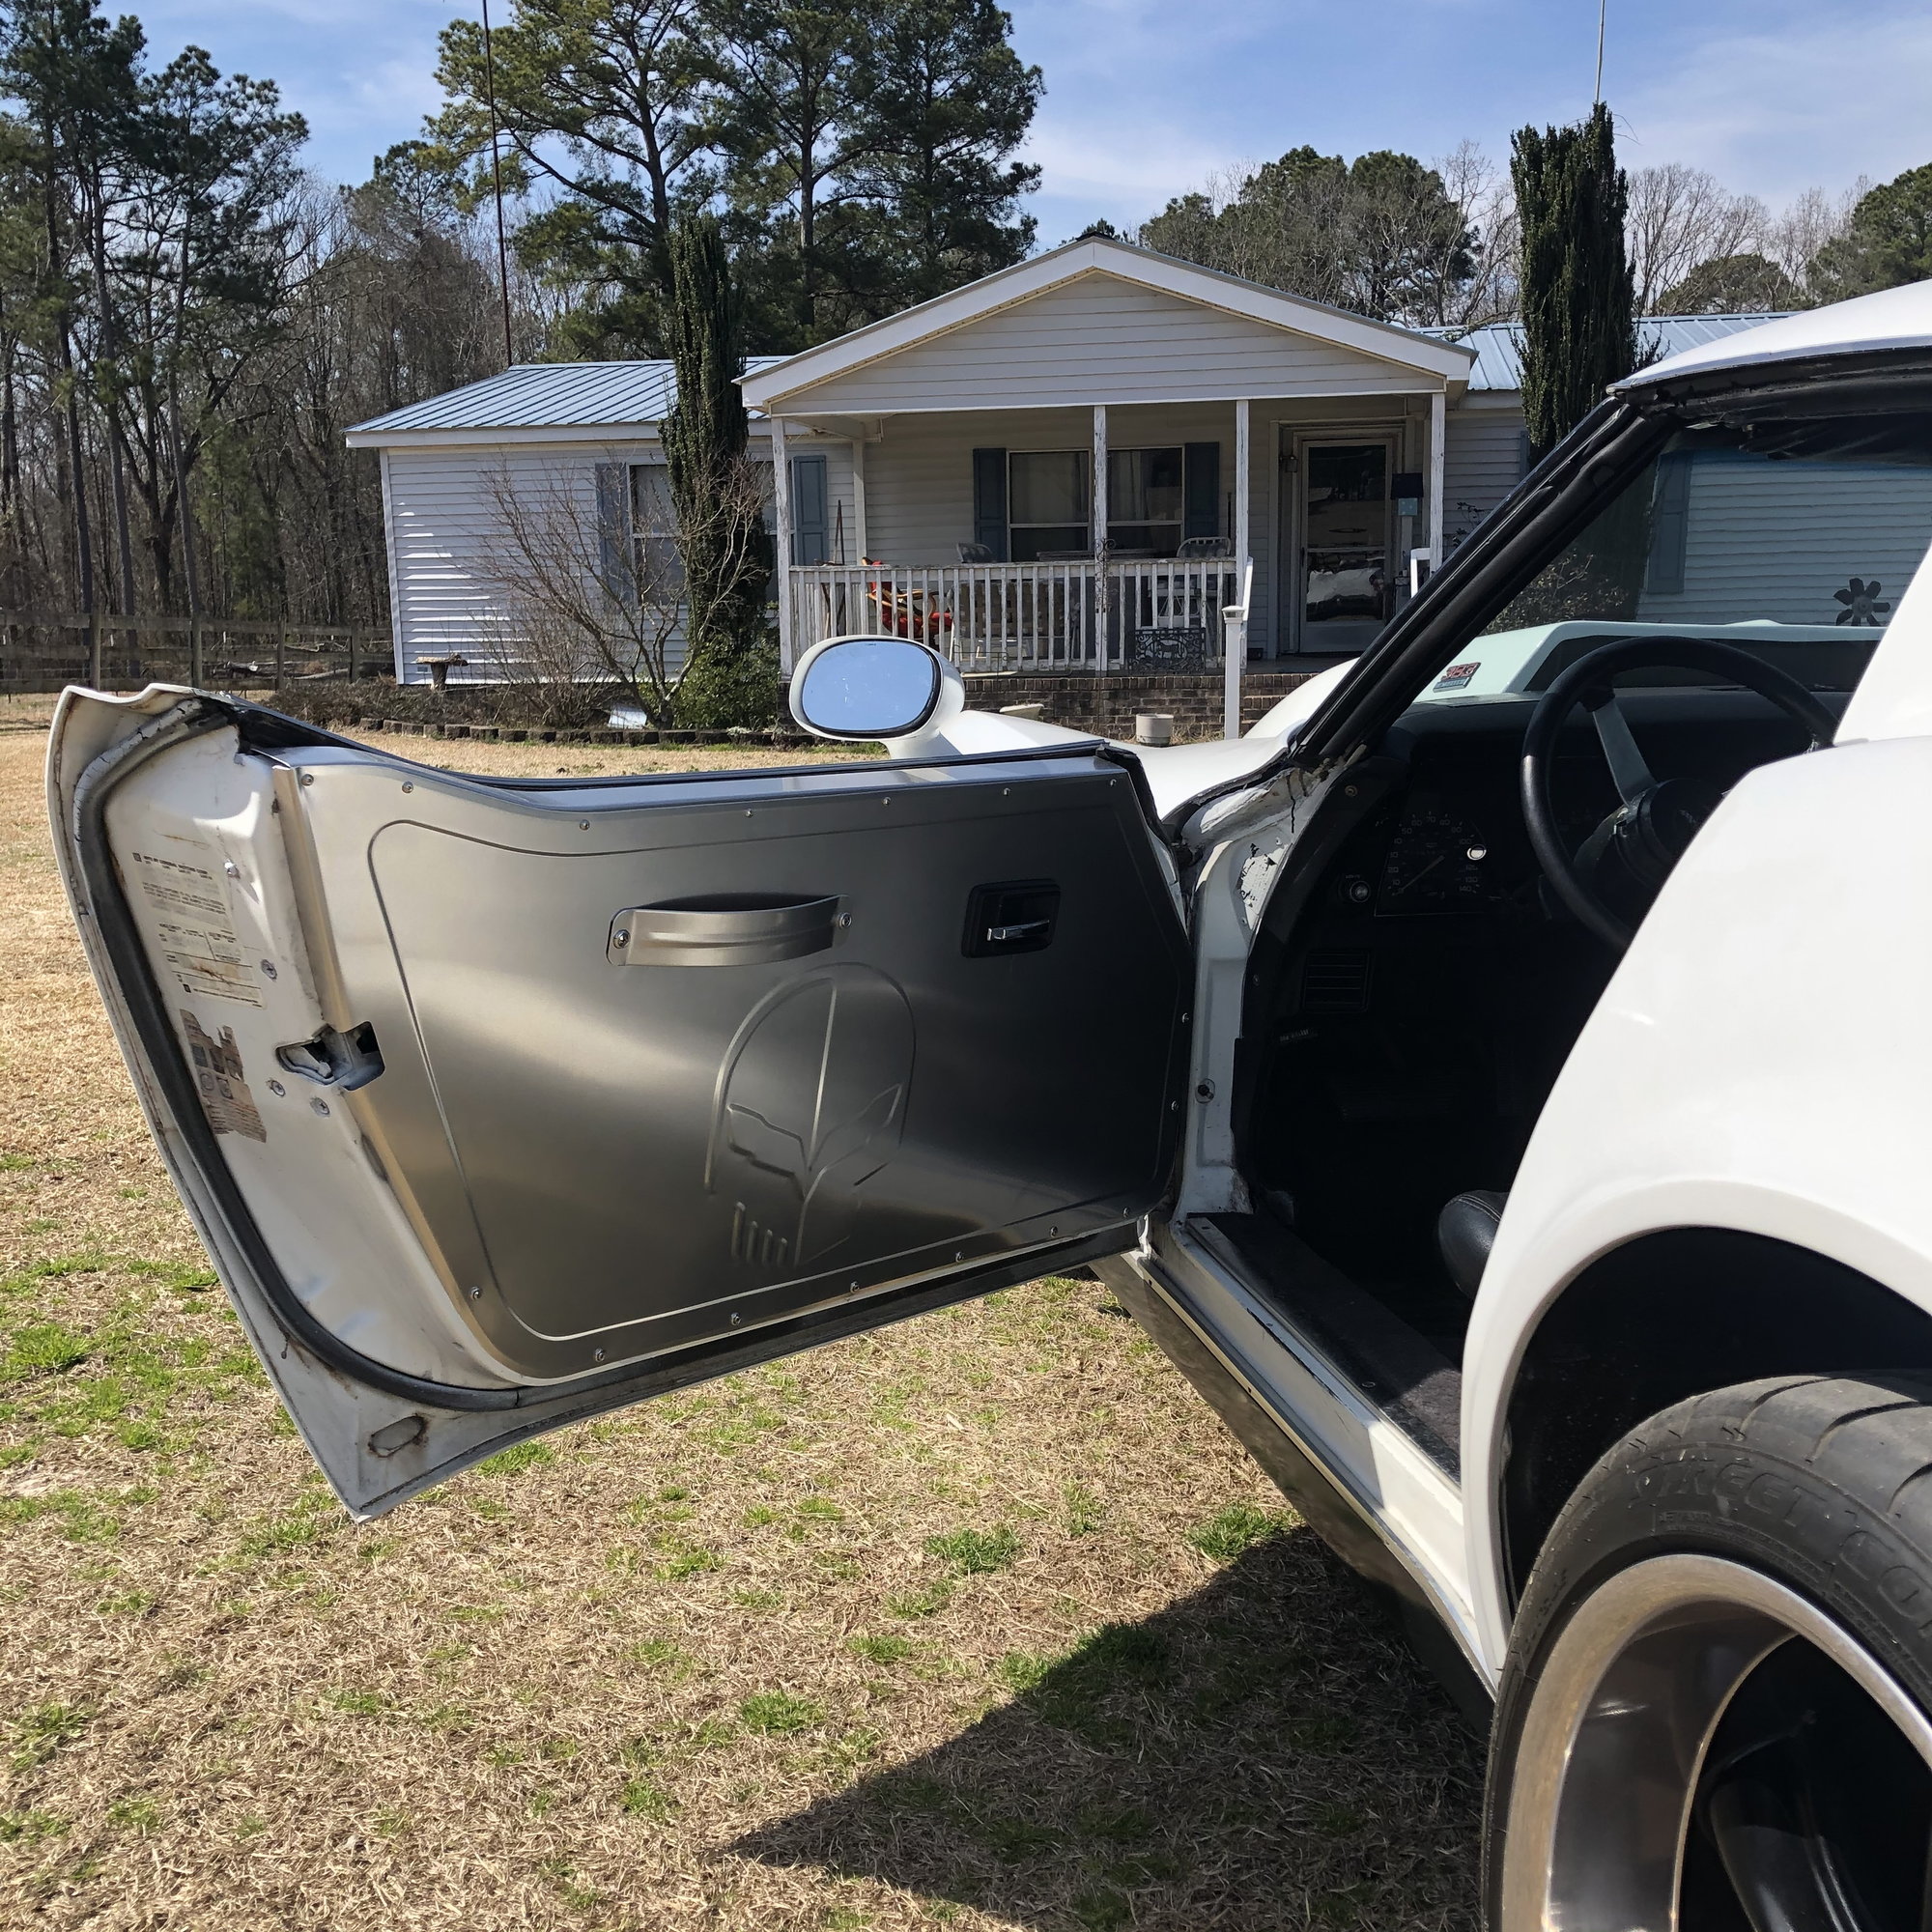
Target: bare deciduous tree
[593, 590]
[1679, 218]
[1794, 240]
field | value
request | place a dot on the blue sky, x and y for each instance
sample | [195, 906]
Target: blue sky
[1145, 98]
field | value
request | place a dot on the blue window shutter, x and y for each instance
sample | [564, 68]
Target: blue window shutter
[810, 525]
[615, 570]
[1201, 489]
[989, 501]
[1669, 524]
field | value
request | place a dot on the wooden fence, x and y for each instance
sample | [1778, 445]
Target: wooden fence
[42, 650]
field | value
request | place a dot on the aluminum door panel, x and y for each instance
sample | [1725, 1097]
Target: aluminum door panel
[612, 1158]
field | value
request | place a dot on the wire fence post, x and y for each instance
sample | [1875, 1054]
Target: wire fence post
[197, 655]
[352, 654]
[281, 653]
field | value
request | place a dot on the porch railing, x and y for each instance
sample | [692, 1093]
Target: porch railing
[1122, 614]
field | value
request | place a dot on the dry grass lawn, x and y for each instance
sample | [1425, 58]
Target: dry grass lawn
[984, 1622]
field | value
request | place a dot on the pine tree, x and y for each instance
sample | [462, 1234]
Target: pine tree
[714, 491]
[1578, 327]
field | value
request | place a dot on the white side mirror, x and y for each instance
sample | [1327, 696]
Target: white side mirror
[873, 688]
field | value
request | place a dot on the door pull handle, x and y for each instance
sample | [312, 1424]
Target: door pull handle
[1011, 935]
[738, 930]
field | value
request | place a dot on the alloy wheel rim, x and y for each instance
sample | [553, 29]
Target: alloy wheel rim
[1614, 1778]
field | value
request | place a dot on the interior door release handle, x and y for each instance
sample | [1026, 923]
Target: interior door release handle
[1011, 915]
[739, 929]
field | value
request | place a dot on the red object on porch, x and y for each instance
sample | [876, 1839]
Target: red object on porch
[906, 614]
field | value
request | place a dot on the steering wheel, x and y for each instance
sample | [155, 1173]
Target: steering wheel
[1635, 847]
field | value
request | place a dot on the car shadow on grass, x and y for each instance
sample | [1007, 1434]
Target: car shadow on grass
[1264, 1753]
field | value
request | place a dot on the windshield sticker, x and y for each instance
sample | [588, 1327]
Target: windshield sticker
[225, 1098]
[196, 930]
[1457, 675]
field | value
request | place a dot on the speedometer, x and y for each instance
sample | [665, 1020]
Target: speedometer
[1437, 862]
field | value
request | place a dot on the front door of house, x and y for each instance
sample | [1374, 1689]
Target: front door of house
[1343, 541]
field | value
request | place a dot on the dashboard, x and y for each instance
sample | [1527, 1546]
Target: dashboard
[1448, 836]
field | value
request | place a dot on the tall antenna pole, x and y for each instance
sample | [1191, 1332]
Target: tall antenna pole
[497, 177]
[1603, 7]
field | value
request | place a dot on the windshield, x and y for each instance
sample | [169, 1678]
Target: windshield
[1795, 538]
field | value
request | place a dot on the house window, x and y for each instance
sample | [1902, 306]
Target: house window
[1155, 497]
[1048, 503]
[1146, 500]
[659, 567]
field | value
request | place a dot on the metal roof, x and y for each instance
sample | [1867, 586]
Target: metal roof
[549, 395]
[1499, 344]
[1899, 317]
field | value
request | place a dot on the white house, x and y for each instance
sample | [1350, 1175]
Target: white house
[1081, 462]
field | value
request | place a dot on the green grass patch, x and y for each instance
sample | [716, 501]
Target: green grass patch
[134, 1814]
[881, 1648]
[971, 1552]
[43, 1348]
[911, 1604]
[1084, 1513]
[777, 1714]
[688, 1560]
[30, 1828]
[643, 1797]
[42, 1730]
[516, 1459]
[83, 1519]
[1237, 1528]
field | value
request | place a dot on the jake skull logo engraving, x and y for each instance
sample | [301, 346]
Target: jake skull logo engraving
[810, 1107]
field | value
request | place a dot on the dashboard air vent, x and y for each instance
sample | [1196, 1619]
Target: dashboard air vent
[1337, 982]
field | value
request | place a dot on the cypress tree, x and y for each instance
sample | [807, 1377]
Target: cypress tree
[714, 492]
[1579, 318]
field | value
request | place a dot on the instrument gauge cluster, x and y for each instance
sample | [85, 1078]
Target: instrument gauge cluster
[1439, 862]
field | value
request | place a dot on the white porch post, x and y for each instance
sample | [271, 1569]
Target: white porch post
[1100, 510]
[781, 503]
[861, 546]
[1234, 630]
[1438, 417]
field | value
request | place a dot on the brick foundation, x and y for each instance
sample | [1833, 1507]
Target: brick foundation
[1077, 699]
[1085, 703]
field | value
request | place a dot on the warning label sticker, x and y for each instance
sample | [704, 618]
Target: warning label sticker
[225, 1098]
[196, 929]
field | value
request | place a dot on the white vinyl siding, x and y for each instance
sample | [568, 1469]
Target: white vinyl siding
[1482, 463]
[1776, 540]
[443, 526]
[1099, 339]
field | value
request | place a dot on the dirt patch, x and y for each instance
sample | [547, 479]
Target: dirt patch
[984, 1622]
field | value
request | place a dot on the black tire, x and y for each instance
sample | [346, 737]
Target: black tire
[1823, 1485]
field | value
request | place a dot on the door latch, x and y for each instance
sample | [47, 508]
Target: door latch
[330, 1059]
[1014, 916]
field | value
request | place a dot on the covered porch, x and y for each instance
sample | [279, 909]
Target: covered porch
[1104, 460]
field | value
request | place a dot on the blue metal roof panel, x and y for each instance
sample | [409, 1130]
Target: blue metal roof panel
[1499, 344]
[549, 395]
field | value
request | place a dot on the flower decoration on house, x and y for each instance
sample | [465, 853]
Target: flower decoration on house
[1861, 602]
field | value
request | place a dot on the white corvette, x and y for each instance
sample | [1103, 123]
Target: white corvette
[1502, 1082]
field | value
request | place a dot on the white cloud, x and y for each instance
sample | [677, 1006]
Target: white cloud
[1818, 102]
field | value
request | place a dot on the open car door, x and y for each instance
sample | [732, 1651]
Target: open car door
[500, 1102]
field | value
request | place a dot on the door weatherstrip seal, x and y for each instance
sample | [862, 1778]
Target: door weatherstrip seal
[145, 1015]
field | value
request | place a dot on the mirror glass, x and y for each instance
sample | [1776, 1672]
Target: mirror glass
[868, 687]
